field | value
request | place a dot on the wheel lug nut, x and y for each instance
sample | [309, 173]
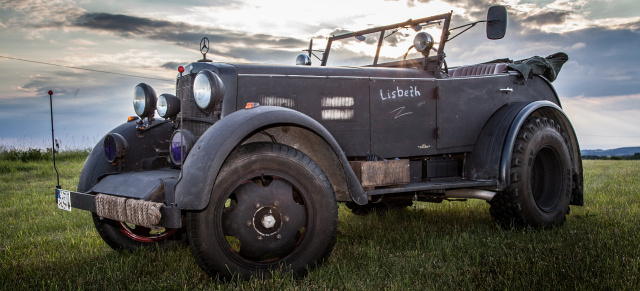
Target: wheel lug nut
[279, 236]
[259, 238]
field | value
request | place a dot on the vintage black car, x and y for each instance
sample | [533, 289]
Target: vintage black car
[247, 162]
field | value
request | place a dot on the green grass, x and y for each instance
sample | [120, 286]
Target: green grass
[452, 245]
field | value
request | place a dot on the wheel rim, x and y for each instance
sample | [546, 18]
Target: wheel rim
[547, 178]
[264, 218]
[145, 234]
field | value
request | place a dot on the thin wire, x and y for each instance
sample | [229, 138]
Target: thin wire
[393, 32]
[90, 70]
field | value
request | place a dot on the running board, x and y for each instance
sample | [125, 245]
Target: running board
[436, 185]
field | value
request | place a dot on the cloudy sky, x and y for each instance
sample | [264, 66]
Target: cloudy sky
[45, 44]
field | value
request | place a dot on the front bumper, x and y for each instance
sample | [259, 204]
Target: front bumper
[150, 191]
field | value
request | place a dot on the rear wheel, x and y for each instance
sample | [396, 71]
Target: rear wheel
[272, 208]
[540, 189]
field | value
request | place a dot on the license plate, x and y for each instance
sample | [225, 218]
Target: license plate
[63, 198]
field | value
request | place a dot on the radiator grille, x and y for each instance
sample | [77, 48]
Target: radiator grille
[190, 110]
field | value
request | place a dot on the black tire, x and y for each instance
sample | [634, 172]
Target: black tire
[540, 189]
[380, 207]
[272, 208]
[122, 236]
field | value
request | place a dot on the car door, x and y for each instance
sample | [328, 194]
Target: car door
[403, 117]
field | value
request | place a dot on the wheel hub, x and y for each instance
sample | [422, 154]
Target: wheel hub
[267, 220]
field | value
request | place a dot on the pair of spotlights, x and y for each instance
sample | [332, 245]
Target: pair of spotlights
[145, 102]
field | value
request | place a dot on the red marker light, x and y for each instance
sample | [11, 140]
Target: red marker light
[50, 92]
[251, 105]
[181, 69]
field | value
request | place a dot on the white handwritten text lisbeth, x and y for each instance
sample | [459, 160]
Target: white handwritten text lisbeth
[400, 93]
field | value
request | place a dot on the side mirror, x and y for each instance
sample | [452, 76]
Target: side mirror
[496, 22]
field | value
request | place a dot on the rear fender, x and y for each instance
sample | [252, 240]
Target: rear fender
[554, 112]
[491, 158]
[202, 165]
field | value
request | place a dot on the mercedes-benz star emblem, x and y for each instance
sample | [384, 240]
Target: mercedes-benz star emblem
[204, 46]
[204, 49]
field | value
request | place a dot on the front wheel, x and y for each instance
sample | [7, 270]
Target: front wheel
[122, 236]
[272, 208]
[540, 189]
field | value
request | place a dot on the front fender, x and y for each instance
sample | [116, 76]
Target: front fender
[207, 156]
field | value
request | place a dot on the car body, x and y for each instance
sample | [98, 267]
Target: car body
[249, 160]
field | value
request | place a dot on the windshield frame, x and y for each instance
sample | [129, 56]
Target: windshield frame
[446, 17]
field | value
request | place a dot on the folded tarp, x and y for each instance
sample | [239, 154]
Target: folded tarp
[548, 67]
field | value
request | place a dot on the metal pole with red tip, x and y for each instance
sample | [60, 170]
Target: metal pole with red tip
[53, 140]
[173, 203]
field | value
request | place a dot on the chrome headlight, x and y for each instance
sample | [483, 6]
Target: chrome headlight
[144, 100]
[208, 89]
[181, 143]
[168, 105]
[303, 60]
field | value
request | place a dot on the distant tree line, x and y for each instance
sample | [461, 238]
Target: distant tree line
[635, 156]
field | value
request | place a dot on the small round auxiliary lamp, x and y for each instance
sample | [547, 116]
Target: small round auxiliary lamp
[423, 42]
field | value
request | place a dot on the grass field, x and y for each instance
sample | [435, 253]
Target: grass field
[452, 245]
